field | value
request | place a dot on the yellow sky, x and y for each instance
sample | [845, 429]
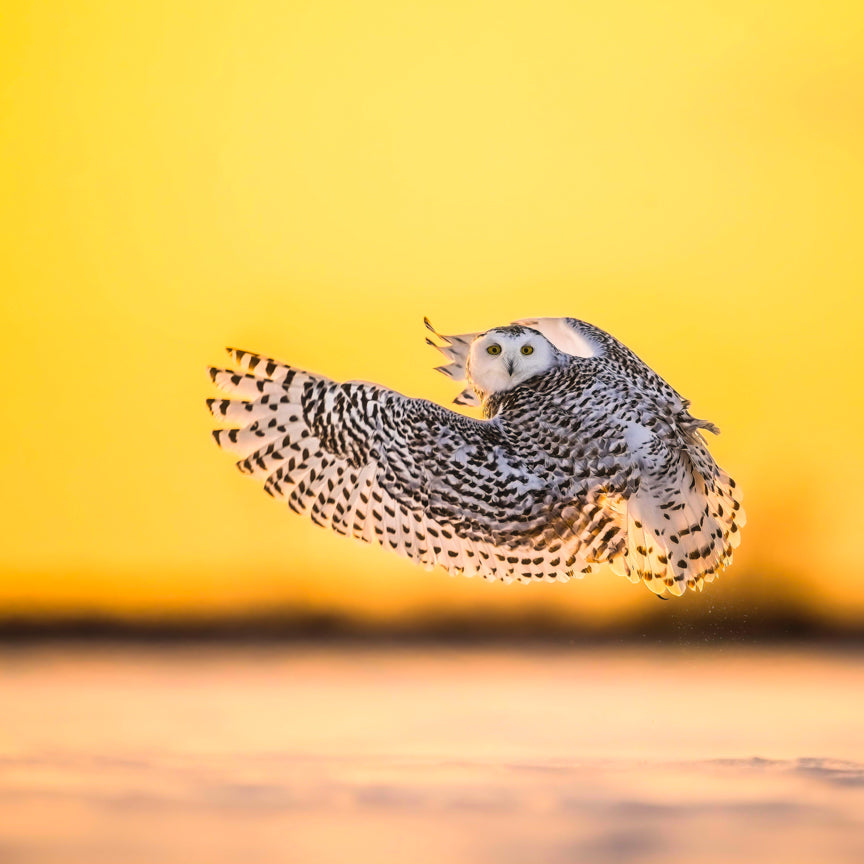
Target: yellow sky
[310, 179]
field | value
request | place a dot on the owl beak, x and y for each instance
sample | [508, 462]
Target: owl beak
[510, 365]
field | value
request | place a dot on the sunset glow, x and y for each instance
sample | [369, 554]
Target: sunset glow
[309, 180]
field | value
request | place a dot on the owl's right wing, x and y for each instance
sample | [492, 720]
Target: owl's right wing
[455, 348]
[404, 473]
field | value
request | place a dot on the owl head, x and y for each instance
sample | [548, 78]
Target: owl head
[505, 357]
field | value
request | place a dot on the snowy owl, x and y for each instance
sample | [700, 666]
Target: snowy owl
[583, 456]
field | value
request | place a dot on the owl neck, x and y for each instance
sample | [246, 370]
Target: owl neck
[574, 375]
[495, 403]
[490, 406]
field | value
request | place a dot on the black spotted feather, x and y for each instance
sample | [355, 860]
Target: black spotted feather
[595, 461]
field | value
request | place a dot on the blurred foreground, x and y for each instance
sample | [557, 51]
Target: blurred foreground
[304, 754]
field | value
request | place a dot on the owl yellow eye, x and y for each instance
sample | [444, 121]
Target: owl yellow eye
[493, 349]
[527, 349]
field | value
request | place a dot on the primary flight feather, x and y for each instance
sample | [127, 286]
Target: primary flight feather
[584, 456]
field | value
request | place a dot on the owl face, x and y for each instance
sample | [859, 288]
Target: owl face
[503, 358]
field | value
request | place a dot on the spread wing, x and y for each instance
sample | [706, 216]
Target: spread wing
[644, 493]
[409, 475]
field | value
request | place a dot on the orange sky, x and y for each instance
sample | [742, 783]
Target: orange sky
[310, 179]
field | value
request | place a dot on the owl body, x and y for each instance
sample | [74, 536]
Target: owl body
[581, 459]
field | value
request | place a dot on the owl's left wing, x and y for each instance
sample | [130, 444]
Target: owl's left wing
[404, 473]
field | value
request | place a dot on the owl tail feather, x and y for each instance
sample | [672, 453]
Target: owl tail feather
[682, 539]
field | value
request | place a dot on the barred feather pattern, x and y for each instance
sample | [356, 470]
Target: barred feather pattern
[595, 461]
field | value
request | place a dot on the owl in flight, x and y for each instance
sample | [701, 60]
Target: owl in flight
[583, 456]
